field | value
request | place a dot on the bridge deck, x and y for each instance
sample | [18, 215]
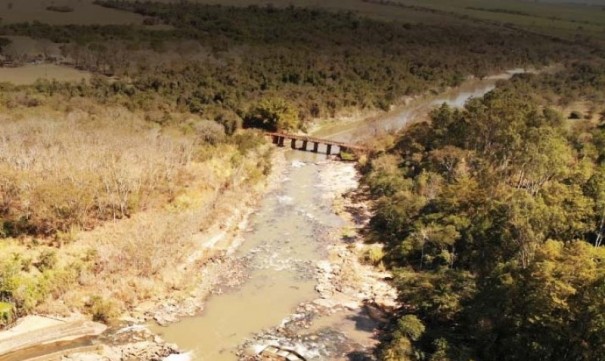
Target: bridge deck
[316, 140]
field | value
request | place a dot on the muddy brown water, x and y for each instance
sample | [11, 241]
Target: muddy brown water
[281, 246]
[284, 240]
[287, 232]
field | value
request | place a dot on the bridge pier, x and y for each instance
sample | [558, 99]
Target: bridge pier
[280, 138]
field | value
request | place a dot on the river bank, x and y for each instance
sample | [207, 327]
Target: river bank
[343, 321]
[129, 337]
[342, 288]
[298, 241]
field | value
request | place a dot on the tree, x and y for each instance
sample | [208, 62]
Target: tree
[273, 114]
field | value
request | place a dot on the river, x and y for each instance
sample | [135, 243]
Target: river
[286, 238]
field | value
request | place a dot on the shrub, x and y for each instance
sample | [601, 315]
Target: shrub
[47, 260]
[207, 131]
[575, 115]
[230, 120]
[272, 114]
[373, 255]
[102, 310]
[7, 314]
[246, 141]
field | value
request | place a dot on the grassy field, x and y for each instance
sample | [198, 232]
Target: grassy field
[565, 20]
[556, 19]
[559, 19]
[369, 9]
[85, 12]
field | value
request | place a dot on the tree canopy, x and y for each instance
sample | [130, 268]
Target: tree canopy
[492, 218]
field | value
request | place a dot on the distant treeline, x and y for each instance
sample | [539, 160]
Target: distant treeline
[502, 11]
[319, 62]
[578, 81]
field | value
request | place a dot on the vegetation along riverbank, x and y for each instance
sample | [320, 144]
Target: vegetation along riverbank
[134, 178]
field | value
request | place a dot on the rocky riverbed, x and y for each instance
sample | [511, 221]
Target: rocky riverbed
[344, 321]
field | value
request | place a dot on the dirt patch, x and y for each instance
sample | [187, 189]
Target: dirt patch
[28, 74]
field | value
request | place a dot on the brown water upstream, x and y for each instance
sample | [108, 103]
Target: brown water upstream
[399, 117]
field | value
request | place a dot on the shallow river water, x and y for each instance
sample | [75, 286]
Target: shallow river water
[281, 245]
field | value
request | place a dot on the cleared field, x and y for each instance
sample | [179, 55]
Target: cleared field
[28, 74]
[549, 18]
[368, 9]
[555, 19]
[85, 12]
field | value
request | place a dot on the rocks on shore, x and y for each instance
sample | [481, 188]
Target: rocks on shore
[135, 343]
[139, 351]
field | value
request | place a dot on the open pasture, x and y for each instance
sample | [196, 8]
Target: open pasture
[84, 13]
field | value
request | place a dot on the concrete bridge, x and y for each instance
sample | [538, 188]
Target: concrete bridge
[327, 146]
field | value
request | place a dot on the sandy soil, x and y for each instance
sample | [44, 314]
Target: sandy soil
[34, 330]
[28, 324]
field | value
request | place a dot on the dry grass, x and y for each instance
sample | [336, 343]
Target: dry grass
[127, 201]
[74, 172]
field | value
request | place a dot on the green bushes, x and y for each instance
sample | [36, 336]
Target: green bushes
[373, 255]
[102, 310]
[26, 287]
[7, 315]
[272, 115]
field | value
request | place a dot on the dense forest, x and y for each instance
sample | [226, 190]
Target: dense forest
[492, 219]
[225, 62]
